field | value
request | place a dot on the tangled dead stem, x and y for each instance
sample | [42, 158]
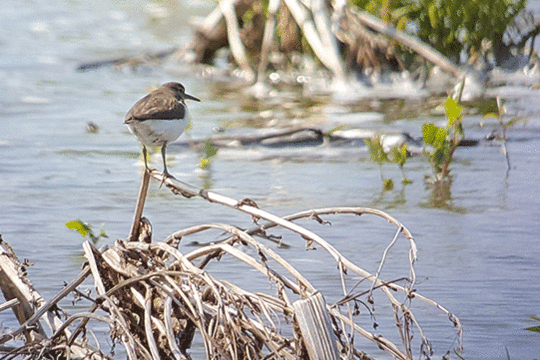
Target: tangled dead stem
[156, 299]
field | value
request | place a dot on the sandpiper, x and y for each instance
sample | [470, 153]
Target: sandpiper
[159, 118]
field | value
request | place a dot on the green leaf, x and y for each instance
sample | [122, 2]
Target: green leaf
[369, 143]
[388, 184]
[337, 128]
[396, 155]
[188, 126]
[402, 24]
[460, 129]
[438, 157]
[399, 155]
[428, 132]
[376, 151]
[440, 138]
[433, 15]
[491, 115]
[404, 151]
[204, 163]
[514, 121]
[209, 149]
[102, 232]
[83, 228]
[534, 328]
[453, 110]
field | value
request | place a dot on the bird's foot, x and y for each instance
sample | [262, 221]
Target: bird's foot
[149, 170]
[165, 175]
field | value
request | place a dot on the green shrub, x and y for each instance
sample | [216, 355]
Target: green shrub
[379, 156]
[451, 26]
[444, 141]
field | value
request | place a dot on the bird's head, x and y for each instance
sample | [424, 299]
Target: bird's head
[179, 91]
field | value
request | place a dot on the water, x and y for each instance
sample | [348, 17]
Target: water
[478, 255]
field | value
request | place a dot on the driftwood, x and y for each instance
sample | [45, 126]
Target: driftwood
[155, 299]
[410, 42]
[365, 37]
[297, 137]
[122, 60]
[340, 36]
[316, 328]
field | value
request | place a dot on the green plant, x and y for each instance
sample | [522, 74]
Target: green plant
[444, 140]
[453, 27]
[534, 328]
[388, 184]
[456, 26]
[209, 151]
[391, 11]
[333, 130]
[86, 230]
[377, 155]
[400, 156]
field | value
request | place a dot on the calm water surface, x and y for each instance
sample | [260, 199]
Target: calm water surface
[479, 256]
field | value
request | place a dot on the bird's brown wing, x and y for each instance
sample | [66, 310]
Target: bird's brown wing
[156, 107]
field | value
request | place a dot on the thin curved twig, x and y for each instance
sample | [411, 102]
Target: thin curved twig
[285, 222]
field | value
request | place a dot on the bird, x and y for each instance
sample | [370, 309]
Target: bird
[160, 118]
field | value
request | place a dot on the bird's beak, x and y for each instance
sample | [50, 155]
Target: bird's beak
[189, 97]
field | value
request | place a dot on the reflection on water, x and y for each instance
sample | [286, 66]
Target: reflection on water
[440, 195]
[477, 238]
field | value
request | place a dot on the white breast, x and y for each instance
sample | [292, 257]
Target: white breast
[158, 132]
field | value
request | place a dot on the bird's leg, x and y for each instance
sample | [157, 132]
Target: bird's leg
[145, 156]
[163, 152]
[165, 171]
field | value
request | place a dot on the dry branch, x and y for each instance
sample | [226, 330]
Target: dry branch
[233, 35]
[320, 39]
[369, 42]
[408, 41]
[32, 307]
[16, 286]
[141, 199]
[155, 298]
[400, 310]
